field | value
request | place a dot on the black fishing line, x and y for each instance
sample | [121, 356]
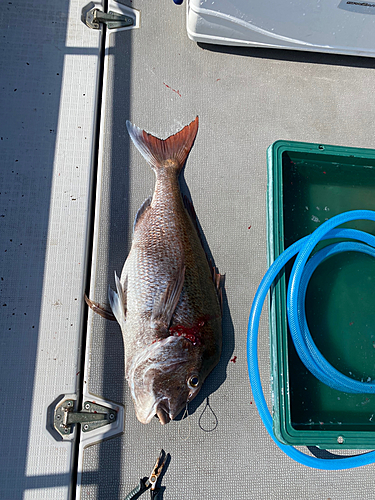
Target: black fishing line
[215, 422]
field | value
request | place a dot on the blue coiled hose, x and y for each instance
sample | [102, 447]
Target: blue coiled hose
[308, 352]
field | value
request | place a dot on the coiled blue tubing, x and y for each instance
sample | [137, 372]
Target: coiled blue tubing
[308, 352]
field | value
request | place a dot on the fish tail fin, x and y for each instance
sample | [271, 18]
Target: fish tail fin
[171, 152]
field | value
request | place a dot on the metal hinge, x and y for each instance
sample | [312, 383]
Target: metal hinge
[91, 417]
[112, 20]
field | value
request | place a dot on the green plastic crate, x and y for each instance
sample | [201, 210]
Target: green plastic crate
[308, 184]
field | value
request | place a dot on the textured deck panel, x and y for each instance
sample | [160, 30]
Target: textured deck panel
[48, 81]
[246, 99]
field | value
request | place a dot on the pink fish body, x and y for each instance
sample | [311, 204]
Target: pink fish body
[166, 301]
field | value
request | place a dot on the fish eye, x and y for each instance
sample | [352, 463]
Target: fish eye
[193, 381]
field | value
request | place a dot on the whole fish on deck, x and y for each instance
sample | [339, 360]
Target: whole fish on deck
[168, 298]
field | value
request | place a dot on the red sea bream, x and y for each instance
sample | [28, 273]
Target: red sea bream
[167, 300]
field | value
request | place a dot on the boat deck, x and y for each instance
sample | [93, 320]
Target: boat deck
[67, 213]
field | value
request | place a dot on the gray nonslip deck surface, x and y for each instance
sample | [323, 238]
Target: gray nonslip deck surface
[48, 79]
[245, 99]
[159, 79]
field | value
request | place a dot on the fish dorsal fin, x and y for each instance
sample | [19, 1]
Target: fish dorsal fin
[157, 152]
[141, 211]
[188, 204]
[218, 280]
[165, 305]
[118, 300]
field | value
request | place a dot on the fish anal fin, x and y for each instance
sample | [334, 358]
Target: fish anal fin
[171, 152]
[99, 309]
[165, 305]
[118, 301]
[141, 211]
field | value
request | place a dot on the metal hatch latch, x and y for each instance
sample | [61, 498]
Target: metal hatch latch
[91, 417]
[112, 20]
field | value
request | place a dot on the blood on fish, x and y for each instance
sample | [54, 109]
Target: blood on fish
[192, 333]
[234, 359]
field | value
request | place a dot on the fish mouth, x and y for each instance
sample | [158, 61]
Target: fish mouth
[163, 413]
[158, 409]
[161, 409]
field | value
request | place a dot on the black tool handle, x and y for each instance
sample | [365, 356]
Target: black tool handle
[156, 494]
[138, 490]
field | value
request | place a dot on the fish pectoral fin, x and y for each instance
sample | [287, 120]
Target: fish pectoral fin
[141, 211]
[99, 309]
[118, 300]
[165, 305]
